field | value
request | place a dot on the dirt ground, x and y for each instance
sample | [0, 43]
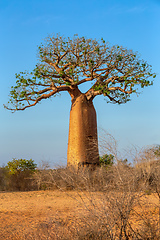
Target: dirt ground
[23, 211]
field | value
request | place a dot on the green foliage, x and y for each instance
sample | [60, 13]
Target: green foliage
[19, 174]
[16, 166]
[106, 160]
[115, 71]
[157, 150]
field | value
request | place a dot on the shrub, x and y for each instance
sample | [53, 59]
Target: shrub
[115, 205]
[106, 160]
[19, 174]
[3, 180]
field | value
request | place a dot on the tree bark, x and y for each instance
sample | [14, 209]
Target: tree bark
[83, 141]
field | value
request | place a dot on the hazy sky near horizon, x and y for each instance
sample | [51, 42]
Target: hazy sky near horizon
[41, 132]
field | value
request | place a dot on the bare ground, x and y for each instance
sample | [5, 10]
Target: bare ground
[22, 212]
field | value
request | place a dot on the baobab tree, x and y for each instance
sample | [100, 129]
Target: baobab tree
[64, 64]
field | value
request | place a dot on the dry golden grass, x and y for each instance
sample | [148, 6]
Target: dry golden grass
[22, 213]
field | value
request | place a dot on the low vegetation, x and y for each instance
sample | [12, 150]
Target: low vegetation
[17, 175]
[119, 200]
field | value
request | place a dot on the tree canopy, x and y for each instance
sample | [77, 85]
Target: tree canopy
[65, 63]
[20, 165]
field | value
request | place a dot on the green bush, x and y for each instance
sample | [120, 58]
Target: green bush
[19, 174]
[106, 160]
[15, 166]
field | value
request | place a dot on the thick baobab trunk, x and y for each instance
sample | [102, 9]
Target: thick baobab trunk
[82, 142]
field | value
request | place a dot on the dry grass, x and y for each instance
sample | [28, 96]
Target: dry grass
[72, 214]
[24, 211]
[119, 202]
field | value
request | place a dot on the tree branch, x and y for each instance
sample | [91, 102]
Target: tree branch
[43, 96]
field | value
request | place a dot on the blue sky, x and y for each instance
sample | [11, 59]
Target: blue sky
[41, 132]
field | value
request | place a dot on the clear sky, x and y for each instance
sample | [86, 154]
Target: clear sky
[41, 132]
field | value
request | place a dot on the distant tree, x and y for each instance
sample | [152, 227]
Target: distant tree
[64, 64]
[19, 173]
[20, 165]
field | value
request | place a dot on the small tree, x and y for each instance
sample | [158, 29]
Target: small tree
[64, 64]
[19, 173]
